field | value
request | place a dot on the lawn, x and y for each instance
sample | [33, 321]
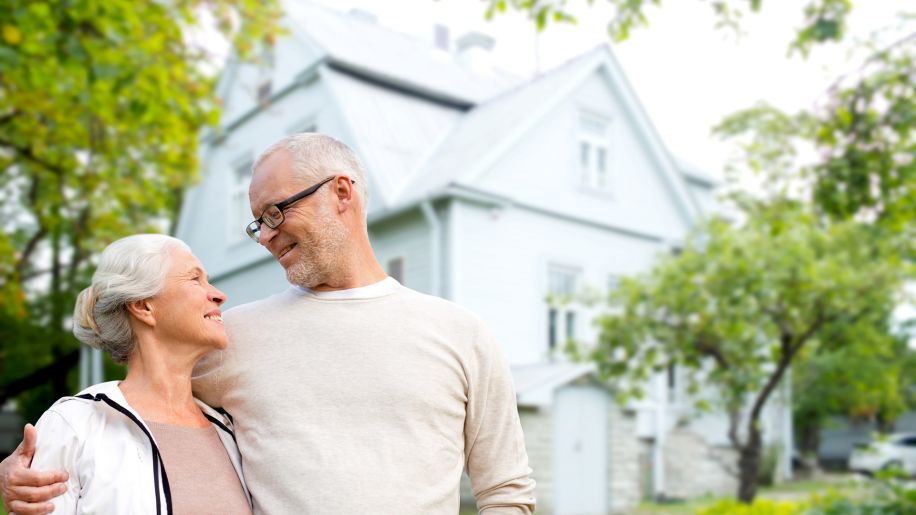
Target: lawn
[795, 490]
[843, 484]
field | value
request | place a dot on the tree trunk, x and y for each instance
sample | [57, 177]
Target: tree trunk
[749, 464]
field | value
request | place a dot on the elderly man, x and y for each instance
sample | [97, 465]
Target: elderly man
[350, 392]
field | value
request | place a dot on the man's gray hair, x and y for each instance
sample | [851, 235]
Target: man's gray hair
[130, 269]
[315, 156]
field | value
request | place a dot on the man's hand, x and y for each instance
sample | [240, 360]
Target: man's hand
[27, 491]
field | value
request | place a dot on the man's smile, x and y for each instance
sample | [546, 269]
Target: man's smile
[285, 249]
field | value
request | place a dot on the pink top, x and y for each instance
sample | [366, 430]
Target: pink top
[200, 474]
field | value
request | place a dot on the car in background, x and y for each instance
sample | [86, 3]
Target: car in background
[891, 451]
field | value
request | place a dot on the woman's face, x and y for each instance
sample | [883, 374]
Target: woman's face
[187, 310]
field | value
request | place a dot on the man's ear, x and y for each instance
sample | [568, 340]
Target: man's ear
[343, 188]
[142, 310]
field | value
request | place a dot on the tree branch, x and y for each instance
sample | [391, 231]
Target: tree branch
[29, 154]
[29, 248]
[59, 367]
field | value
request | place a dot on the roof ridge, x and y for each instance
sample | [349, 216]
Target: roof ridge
[533, 80]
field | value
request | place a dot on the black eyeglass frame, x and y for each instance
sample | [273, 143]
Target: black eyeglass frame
[253, 228]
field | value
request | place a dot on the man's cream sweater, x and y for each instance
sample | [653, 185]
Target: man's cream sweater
[368, 401]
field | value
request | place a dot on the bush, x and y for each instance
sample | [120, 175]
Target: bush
[891, 496]
[758, 507]
[766, 473]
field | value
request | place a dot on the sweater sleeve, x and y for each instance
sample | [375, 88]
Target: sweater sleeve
[205, 379]
[495, 456]
[59, 448]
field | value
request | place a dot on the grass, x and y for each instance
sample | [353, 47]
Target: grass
[787, 491]
[794, 490]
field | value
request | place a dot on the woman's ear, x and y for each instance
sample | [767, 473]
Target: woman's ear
[142, 310]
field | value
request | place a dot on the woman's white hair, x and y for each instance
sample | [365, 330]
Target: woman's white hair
[130, 269]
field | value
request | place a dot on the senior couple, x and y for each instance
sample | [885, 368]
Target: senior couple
[345, 394]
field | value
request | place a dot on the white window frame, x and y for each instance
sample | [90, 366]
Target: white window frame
[238, 208]
[561, 330]
[594, 144]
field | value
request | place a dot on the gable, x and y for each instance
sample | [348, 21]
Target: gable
[543, 168]
[283, 67]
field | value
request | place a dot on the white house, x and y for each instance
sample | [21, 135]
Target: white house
[492, 191]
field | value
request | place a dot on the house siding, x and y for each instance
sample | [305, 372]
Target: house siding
[543, 169]
[502, 254]
[407, 236]
[205, 218]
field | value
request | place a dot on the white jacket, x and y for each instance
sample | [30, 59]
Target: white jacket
[110, 453]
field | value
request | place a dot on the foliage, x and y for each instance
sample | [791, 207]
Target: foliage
[739, 303]
[759, 507]
[866, 380]
[889, 497]
[769, 462]
[824, 20]
[854, 152]
[101, 105]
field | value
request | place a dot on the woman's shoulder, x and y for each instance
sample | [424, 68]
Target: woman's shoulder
[86, 407]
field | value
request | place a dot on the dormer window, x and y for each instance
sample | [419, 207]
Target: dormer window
[265, 64]
[594, 138]
[264, 91]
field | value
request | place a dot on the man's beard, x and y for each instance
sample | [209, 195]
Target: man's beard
[319, 253]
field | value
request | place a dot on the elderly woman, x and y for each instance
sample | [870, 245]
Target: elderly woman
[144, 444]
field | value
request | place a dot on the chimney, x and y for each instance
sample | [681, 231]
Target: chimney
[473, 39]
[474, 49]
[441, 37]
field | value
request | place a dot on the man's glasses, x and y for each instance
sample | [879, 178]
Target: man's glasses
[273, 216]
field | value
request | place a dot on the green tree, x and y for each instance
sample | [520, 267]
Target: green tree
[863, 381]
[736, 307]
[101, 107]
[824, 20]
[853, 154]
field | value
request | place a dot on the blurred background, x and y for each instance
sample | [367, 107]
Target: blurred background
[689, 224]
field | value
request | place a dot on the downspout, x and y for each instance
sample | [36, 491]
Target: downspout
[435, 238]
[658, 454]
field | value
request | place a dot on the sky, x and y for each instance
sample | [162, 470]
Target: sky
[688, 75]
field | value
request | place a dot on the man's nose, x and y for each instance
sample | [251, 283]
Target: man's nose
[266, 234]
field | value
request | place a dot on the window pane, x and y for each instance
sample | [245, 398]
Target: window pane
[562, 281]
[584, 154]
[601, 167]
[239, 207]
[570, 325]
[594, 125]
[396, 269]
[551, 328]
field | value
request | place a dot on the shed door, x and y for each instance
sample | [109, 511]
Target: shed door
[580, 450]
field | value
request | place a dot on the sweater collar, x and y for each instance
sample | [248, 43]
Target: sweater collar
[381, 288]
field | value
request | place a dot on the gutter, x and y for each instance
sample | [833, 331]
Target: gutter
[435, 238]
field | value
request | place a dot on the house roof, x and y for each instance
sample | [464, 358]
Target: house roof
[491, 129]
[365, 48]
[535, 384]
[483, 133]
[424, 121]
